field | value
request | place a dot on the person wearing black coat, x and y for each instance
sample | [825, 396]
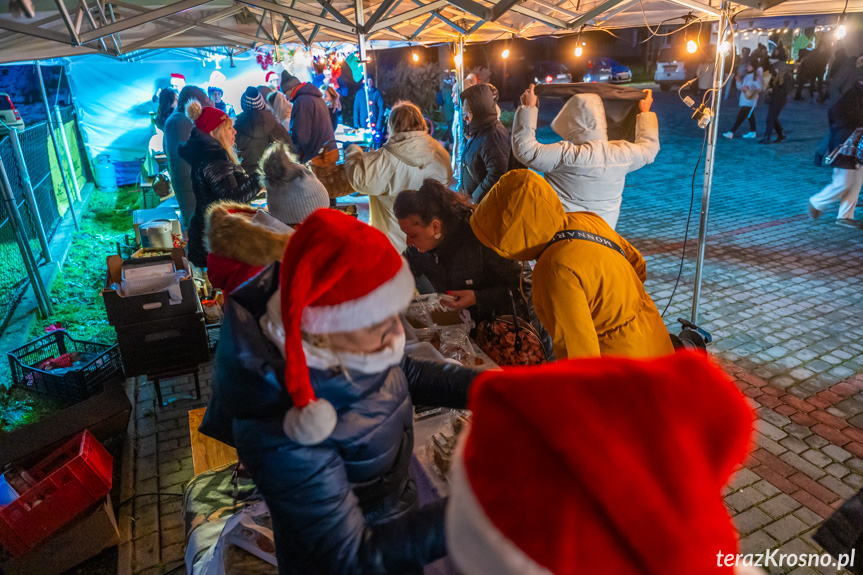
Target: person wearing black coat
[340, 495]
[487, 150]
[443, 248]
[216, 172]
[311, 127]
[780, 87]
[257, 128]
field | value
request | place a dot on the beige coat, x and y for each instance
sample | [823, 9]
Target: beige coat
[586, 170]
[401, 164]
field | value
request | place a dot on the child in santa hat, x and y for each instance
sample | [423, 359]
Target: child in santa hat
[311, 379]
[559, 475]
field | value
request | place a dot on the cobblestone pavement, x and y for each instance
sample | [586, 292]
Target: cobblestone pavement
[781, 296]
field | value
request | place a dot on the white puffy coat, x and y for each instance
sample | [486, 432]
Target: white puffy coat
[586, 170]
[401, 164]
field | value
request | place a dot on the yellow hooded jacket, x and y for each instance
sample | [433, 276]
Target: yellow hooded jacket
[588, 296]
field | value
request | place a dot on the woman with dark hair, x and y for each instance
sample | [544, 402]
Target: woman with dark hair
[443, 248]
[409, 157]
[167, 105]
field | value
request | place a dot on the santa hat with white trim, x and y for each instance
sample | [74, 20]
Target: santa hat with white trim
[338, 274]
[605, 465]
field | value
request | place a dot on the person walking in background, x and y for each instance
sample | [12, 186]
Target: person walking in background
[781, 85]
[215, 93]
[178, 128]
[741, 61]
[845, 117]
[588, 282]
[749, 86]
[487, 147]
[334, 105]
[257, 128]
[586, 170]
[311, 127]
[811, 71]
[281, 108]
[367, 99]
[216, 171]
[409, 157]
[848, 73]
[458, 127]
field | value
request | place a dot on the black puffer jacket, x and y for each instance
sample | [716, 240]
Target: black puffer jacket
[214, 177]
[487, 149]
[311, 127]
[845, 116]
[256, 130]
[347, 505]
[461, 262]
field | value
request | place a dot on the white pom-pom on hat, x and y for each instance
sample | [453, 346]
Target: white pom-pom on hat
[311, 424]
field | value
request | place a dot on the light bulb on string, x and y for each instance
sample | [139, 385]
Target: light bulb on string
[458, 60]
[841, 32]
[505, 53]
[415, 56]
[579, 51]
[724, 47]
[691, 47]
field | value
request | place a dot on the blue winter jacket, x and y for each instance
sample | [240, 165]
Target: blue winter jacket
[347, 505]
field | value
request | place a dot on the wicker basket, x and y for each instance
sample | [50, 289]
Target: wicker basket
[331, 173]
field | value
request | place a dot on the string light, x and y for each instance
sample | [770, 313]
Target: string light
[724, 47]
[579, 51]
[458, 60]
[691, 47]
[415, 56]
[841, 32]
[505, 53]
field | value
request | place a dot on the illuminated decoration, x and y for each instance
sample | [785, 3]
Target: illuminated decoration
[579, 51]
[841, 32]
[265, 60]
[691, 47]
[505, 53]
[214, 57]
[724, 47]
[415, 56]
[458, 60]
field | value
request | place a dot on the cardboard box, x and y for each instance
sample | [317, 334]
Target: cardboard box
[123, 311]
[90, 534]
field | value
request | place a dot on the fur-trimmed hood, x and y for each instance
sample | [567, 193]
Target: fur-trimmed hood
[231, 233]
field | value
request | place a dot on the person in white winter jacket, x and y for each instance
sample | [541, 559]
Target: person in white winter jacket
[750, 86]
[409, 157]
[586, 170]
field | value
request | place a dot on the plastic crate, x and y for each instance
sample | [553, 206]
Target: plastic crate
[68, 482]
[214, 332]
[73, 386]
[163, 345]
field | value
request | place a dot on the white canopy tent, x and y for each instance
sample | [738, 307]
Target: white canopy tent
[120, 29]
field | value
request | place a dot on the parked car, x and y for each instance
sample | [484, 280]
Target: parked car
[9, 114]
[602, 69]
[548, 73]
[672, 69]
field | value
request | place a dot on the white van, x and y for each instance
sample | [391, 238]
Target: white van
[671, 69]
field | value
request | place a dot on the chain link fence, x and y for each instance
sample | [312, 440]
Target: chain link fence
[50, 199]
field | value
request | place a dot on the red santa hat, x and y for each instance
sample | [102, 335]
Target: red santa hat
[178, 77]
[270, 76]
[598, 466]
[338, 274]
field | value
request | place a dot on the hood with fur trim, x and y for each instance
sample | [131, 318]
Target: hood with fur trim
[231, 233]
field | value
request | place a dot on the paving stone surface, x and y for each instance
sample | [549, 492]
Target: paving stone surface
[781, 295]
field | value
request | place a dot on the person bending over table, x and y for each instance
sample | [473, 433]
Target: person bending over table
[588, 282]
[312, 387]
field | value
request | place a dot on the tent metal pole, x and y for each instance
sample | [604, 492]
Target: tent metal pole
[361, 40]
[29, 195]
[8, 198]
[56, 146]
[712, 135]
[63, 137]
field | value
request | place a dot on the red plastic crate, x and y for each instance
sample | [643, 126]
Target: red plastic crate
[69, 481]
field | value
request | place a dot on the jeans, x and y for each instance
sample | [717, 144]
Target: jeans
[773, 112]
[744, 113]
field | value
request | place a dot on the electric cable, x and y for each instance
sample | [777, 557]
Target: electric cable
[688, 221]
[154, 494]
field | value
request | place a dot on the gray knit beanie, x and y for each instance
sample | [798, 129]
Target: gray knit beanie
[293, 192]
[252, 100]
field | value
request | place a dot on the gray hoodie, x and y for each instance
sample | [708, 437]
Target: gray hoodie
[586, 170]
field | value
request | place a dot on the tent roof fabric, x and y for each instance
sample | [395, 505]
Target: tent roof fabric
[122, 28]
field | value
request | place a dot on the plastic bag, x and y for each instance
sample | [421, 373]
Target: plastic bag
[241, 530]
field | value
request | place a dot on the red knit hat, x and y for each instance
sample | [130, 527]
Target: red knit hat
[600, 465]
[338, 274]
[210, 119]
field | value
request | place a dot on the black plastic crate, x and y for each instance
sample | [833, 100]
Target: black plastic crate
[72, 386]
[163, 345]
[214, 332]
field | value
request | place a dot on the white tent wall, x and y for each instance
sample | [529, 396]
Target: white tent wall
[115, 98]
